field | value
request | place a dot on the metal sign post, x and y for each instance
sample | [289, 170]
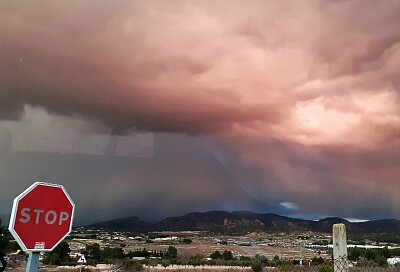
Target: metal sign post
[33, 262]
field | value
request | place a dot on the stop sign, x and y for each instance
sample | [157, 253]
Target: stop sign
[41, 217]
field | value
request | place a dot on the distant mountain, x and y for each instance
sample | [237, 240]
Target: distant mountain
[242, 221]
[132, 223]
[380, 226]
[325, 225]
[238, 220]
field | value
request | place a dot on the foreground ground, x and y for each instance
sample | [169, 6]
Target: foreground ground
[113, 268]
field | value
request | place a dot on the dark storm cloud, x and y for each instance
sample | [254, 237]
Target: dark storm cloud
[199, 67]
[95, 67]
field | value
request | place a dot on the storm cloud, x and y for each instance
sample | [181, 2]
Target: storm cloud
[297, 97]
[281, 69]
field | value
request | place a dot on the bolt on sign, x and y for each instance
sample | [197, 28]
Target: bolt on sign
[41, 217]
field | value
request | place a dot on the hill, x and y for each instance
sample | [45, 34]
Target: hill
[231, 221]
[243, 221]
[132, 223]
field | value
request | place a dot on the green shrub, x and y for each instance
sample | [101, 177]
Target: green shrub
[325, 268]
[132, 265]
[256, 266]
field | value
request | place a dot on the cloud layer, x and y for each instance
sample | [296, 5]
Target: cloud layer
[325, 73]
[302, 97]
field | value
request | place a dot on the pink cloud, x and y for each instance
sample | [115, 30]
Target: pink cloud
[320, 74]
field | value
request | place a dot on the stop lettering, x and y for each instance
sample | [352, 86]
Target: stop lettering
[41, 217]
[49, 217]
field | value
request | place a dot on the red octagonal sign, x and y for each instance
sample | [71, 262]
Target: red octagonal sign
[41, 217]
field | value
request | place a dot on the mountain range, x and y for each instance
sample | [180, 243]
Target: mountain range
[243, 221]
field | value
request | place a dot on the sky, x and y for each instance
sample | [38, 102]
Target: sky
[158, 108]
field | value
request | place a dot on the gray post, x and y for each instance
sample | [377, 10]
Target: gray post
[340, 262]
[33, 262]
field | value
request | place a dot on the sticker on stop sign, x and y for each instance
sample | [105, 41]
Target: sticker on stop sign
[41, 217]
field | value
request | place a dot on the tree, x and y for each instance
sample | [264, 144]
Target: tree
[186, 241]
[317, 261]
[93, 251]
[370, 254]
[52, 258]
[4, 242]
[111, 253]
[354, 253]
[227, 255]
[216, 255]
[132, 265]
[245, 261]
[256, 266]
[12, 246]
[58, 255]
[262, 259]
[172, 252]
[63, 251]
[386, 252]
[381, 260]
